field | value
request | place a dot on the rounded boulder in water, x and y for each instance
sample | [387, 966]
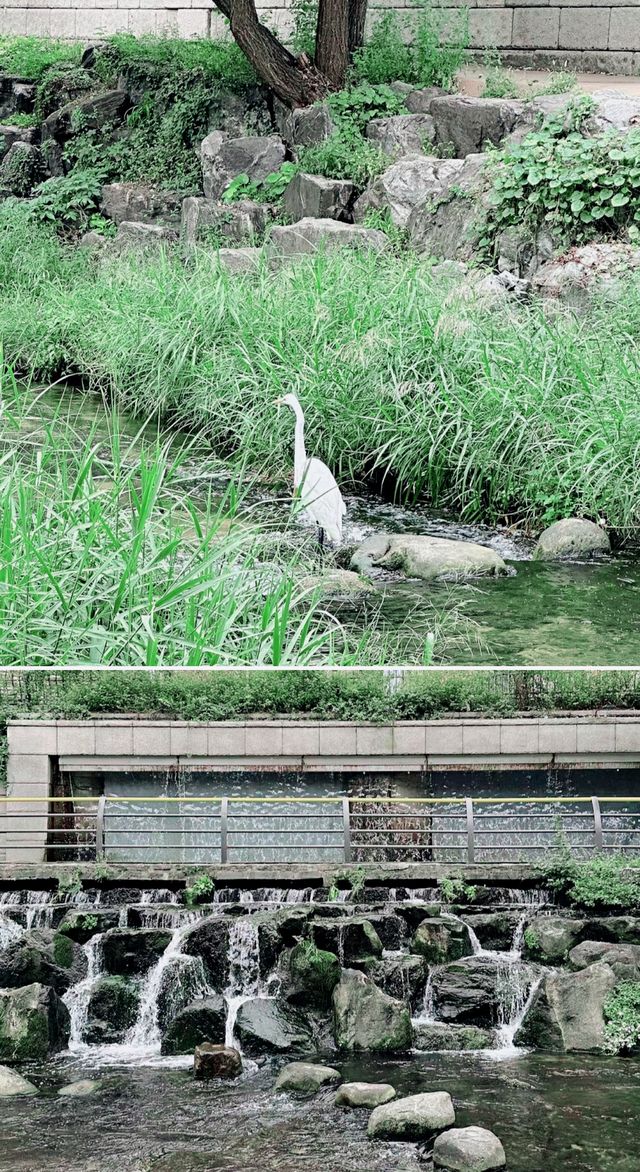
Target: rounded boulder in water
[306, 1078]
[213, 1061]
[364, 1094]
[78, 1090]
[468, 1149]
[12, 1083]
[573, 537]
[413, 1118]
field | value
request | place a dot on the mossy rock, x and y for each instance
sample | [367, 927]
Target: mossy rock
[112, 1010]
[34, 1023]
[314, 973]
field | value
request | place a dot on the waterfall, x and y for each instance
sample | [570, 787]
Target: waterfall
[519, 997]
[10, 930]
[145, 1032]
[77, 998]
[427, 1013]
[244, 972]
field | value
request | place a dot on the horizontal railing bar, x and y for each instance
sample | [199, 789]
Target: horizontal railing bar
[551, 800]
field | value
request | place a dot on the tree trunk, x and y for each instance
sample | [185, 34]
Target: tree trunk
[332, 41]
[295, 80]
[357, 18]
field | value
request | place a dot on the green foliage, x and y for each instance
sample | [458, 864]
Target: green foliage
[456, 891]
[381, 219]
[530, 938]
[345, 155]
[433, 55]
[22, 120]
[268, 190]
[69, 201]
[305, 20]
[561, 82]
[499, 82]
[604, 882]
[70, 883]
[31, 57]
[60, 84]
[578, 187]
[199, 891]
[351, 109]
[220, 61]
[622, 1018]
[354, 877]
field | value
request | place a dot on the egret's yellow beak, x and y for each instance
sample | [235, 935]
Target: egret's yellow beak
[278, 402]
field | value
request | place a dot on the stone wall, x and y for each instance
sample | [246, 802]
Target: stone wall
[576, 33]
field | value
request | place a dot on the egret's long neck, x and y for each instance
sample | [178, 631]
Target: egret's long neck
[299, 454]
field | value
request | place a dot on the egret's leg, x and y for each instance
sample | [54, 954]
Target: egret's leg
[321, 538]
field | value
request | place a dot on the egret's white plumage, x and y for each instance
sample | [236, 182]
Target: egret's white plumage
[321, 502]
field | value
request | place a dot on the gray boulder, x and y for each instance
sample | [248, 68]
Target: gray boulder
[365, 1018]
[406, 185]
[364, 1094]
[439, 1035]
[550, 938]
[306, 1078]
[131, 235]
[467, 991]
[402, 977]
[468, 1149]
[495, 930]
[209, 939]
[418, 101]
[240, 260]
[140, 202]
[310, 236]
[467, 125]
[34, 1023]
[132, 950]
[567, 1014]
[313, 195]
[414, 1118]
[80, 1089]
[81, 925]
[112, 1009]
[573, 537]
[425, 557]
[305, 125]
[402, 134]
[92, 112]
[586, 271]
[12, 1083]
[624, 959]
[44, 957]
[350, 937]
[216, 1061]
[440, 940]
[448, 227]
[312, 975]
[11, 134]
[223, 159]
[272, 1026]
[22, 169]
[204, 219]
[200, 1021]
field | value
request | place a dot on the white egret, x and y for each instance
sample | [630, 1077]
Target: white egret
[320, 498]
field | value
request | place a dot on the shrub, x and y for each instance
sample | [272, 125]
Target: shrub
[622, 1018]
[199, 891]
[68, 201]
[30, 57]
[606, 881]
[438, 48]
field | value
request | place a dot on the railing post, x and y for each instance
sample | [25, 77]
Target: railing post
[224, 828]
[470, 843]
[597, 823]
[100, 843]
[346, 825]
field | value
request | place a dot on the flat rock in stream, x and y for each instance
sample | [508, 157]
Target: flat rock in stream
[364, 1094]
[12, 1083]
[416, 1117]
[428, 558]
[573, 537]
[306, 1078]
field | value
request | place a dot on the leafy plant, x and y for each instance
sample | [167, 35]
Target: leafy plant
[67, 201]
[456, 891]
[22, 120]
[603, 882]
[561, 82]
[354, 877]
[354, 107]
[345, 155]
[622, 1018]
[381, 219]
[305, 20]
[70, 883]
[268, 190]
[499, 82]
[31, 57]
[199, 891]
[432, 55]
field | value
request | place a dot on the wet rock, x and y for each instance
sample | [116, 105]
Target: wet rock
[13, 134]
[402, 977]
[364, 1094]
[573, 537]
[567, 1014]
[112, 1009]
[441, 940]
[448, 226]
[22, 169]
[624, 959]
[12, 1083]
[132, 950]
[467, 125]
[351, 938]
[310, 236]
[211, 1061]
[467, 991]
[80, 1089]
[140, 202]
[305, 1078]
[94, 112]
[313, 974]
[272, 1026]
[80, 925]
[200, 1021]
[402, 134]
[131, 235]
[206, 220]
[337, 583]
[429, 558]
[224, 159]
[34, 1023]
[586, 271]
[365, 1018]
[440, 1035]
[495, 930]
[468, 1149]
[209, 939]
[313, 195]
[44, 957]
[622, 929]
[414, 1118]
[406, 185]
[550, 938]
[305, 125]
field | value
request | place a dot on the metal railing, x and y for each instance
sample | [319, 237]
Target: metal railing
[237, 830]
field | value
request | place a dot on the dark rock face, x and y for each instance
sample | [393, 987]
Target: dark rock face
[401, 977]
[350, 938]
[43, 957]
[140, 202]
[312, 975]
[441, 1035]
[212, 1061]
[22, 169]
[468, 125]
[466, 991]
[112, 1009]
[494, 930]
[305, 125]
[272, 1026]
[81, 926]
[365, 1018]
[549, 939]
[201, 1021]
[127, 950]
[96, 112]
[210, 940]
[441, 940]
[313, 195]
[567, 1013]
[34, 1023]
[223, 159]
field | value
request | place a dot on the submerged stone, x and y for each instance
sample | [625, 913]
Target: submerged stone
[306, 1078]
[428, 558]
[80, 1089]
[574, 537]
[216, 1061]
[440, 1035]
[417, 1117]
[12, 1083]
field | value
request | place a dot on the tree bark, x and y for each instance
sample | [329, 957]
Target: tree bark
[332, 41]
[295, 80]
[357, 18]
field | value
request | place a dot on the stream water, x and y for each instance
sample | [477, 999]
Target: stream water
[553, 614]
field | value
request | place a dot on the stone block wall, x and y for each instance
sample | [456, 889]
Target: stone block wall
[577, 34]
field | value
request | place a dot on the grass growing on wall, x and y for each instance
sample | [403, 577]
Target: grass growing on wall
[491, 411]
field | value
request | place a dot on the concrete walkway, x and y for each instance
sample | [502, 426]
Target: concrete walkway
[529, 82]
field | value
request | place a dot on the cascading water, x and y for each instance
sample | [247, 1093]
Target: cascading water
[10, 930]
[78, 997]
[244, 972]
[145, 1034]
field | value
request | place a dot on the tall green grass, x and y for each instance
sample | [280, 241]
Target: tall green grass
[517, 410]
